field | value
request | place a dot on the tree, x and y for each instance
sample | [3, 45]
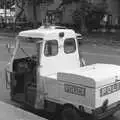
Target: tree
[20, 4]
[34, 13]
[7, 3]
[79, 15]
[96, 15]
[34, 4]
[87, 13]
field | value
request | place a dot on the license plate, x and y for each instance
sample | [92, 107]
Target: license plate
[73, 89]
[110, 89]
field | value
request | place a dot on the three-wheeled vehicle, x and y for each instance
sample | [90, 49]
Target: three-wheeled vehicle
[47, 72]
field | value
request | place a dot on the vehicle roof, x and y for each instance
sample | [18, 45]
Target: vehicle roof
[54, 27]
[47, 33]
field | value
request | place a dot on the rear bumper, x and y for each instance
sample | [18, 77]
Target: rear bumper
[99, 113]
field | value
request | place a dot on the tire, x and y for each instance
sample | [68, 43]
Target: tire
[70, 113]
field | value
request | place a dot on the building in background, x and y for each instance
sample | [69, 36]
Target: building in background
[113, 10]
[64, 15]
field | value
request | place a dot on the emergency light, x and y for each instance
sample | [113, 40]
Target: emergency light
[61, 34]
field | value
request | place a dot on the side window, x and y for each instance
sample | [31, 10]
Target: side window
[51, 48]
[69, 45]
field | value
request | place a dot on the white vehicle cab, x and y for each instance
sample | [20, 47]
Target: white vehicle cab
[47, 72]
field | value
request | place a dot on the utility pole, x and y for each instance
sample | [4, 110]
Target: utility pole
[5, 11]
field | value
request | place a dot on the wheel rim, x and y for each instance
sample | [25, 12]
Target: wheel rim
[70, 114]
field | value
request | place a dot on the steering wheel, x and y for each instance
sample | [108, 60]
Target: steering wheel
[22, 67]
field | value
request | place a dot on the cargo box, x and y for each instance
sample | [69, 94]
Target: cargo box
[91, 85]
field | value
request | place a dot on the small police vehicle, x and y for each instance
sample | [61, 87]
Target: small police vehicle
[47, 73]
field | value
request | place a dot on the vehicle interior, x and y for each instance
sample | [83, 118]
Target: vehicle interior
[23, 76]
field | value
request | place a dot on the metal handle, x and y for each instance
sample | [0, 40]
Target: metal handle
[7, 79]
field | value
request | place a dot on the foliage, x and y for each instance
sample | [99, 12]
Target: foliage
[21, 7]
[89, 15]
[38, 2]
[96, 15]
[7, 3]
[65, 2]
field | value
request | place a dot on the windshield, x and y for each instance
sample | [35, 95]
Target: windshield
[26, 47]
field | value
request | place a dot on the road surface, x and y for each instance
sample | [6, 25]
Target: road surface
[100, 54]
[11, 112]
[92, 54]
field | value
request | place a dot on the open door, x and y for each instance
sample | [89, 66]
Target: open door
[23, 87]
[23, 78]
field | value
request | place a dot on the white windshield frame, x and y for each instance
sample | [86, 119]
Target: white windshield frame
[17, 46]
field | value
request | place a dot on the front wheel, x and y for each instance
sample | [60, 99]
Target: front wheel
[70, 113]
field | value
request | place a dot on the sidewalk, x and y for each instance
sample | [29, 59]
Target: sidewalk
[7, 33]
[11, 112]
[105, 39]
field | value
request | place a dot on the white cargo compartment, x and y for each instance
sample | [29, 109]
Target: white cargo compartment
[86, 86]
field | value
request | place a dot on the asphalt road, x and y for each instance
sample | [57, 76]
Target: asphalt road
[100, 54]
[91, 53]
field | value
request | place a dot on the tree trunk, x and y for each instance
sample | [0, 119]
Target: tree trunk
[34, 14]
[21, 7]
[83, 25]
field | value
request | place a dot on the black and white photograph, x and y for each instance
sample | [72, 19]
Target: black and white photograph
[60, 59]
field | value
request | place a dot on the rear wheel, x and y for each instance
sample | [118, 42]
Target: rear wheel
[70, 113]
